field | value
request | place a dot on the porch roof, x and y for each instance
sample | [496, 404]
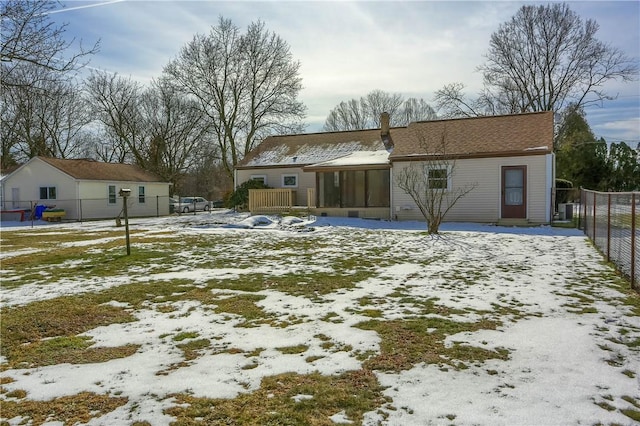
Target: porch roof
[360, 159]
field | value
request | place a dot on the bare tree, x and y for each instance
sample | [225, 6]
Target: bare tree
[40, 108]
[160, 129]
[114, 103]
[413, 110]
[451, 101]
[348, 115]
[364, 113]
[543, 59]
[429, 184]
[179, 133]
[48, 119]
[246, 83]
[28, 36]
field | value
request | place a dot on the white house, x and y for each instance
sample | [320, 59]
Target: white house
[507, 159]
[84, 189]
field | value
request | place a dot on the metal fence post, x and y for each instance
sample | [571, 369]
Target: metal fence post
[594, 216]
[633, 240]
[583, 208]
[609, 227]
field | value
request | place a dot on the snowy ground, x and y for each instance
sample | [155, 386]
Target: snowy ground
[560, 358]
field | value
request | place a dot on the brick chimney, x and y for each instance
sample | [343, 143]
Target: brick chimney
[384, 131]
[384, 124]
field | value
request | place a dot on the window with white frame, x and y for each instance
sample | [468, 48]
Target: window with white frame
[111, 191]
[141, 194]
[47, 192]
[290, 181]
[260, 178]
[438, 177]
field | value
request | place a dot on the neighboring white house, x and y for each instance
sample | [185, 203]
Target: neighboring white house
[508, 159]
[84, 189]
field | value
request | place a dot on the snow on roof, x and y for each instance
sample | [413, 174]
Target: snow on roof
[357, 158]
[308, 153]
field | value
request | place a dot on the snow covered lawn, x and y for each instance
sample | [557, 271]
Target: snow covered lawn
[222, 318]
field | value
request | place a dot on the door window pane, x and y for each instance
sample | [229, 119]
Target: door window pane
[513, 178]
[513, 196]
[513, 187]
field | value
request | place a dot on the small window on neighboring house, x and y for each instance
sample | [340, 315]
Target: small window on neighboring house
[141, 194]
[47, 192]
[112, 194]
[438, 178]
[260, 178]
[289, 181]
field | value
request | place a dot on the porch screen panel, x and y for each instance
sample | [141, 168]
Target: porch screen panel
[329, 189]
[353, 188]
[378, 188]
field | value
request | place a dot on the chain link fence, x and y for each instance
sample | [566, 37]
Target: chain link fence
[610, 220]
[86, 208]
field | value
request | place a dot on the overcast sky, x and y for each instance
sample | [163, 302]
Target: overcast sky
[347, 49]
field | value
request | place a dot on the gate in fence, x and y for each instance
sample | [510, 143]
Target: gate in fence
[610, 220]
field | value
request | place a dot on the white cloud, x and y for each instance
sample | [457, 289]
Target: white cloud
[346, 49]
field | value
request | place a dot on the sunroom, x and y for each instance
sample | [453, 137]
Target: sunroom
[356, 185]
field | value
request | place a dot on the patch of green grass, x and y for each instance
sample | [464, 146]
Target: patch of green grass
[409, 342]
[355, 393]
[53, 265]
[185, 335]
[244, 305]
[606, 406]
[32, 334]
[632, 414]
[69, 349]
[419, 305]
[629, 373]
[292, 350]
[315, 285]
[332, 317]
[43, 238]
[69, 410]
[372, 313]
[193, 348]
[631, 400]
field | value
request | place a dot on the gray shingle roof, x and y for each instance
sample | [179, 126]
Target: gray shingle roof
[311, 148]
[488, 136]
[502, 135]
[95, 170]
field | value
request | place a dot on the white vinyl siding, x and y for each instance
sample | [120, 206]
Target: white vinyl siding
[86, 198]
[483, 203]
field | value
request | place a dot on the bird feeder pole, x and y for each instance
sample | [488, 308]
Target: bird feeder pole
[124, 193]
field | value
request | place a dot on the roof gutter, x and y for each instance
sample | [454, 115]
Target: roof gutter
[428, 157]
